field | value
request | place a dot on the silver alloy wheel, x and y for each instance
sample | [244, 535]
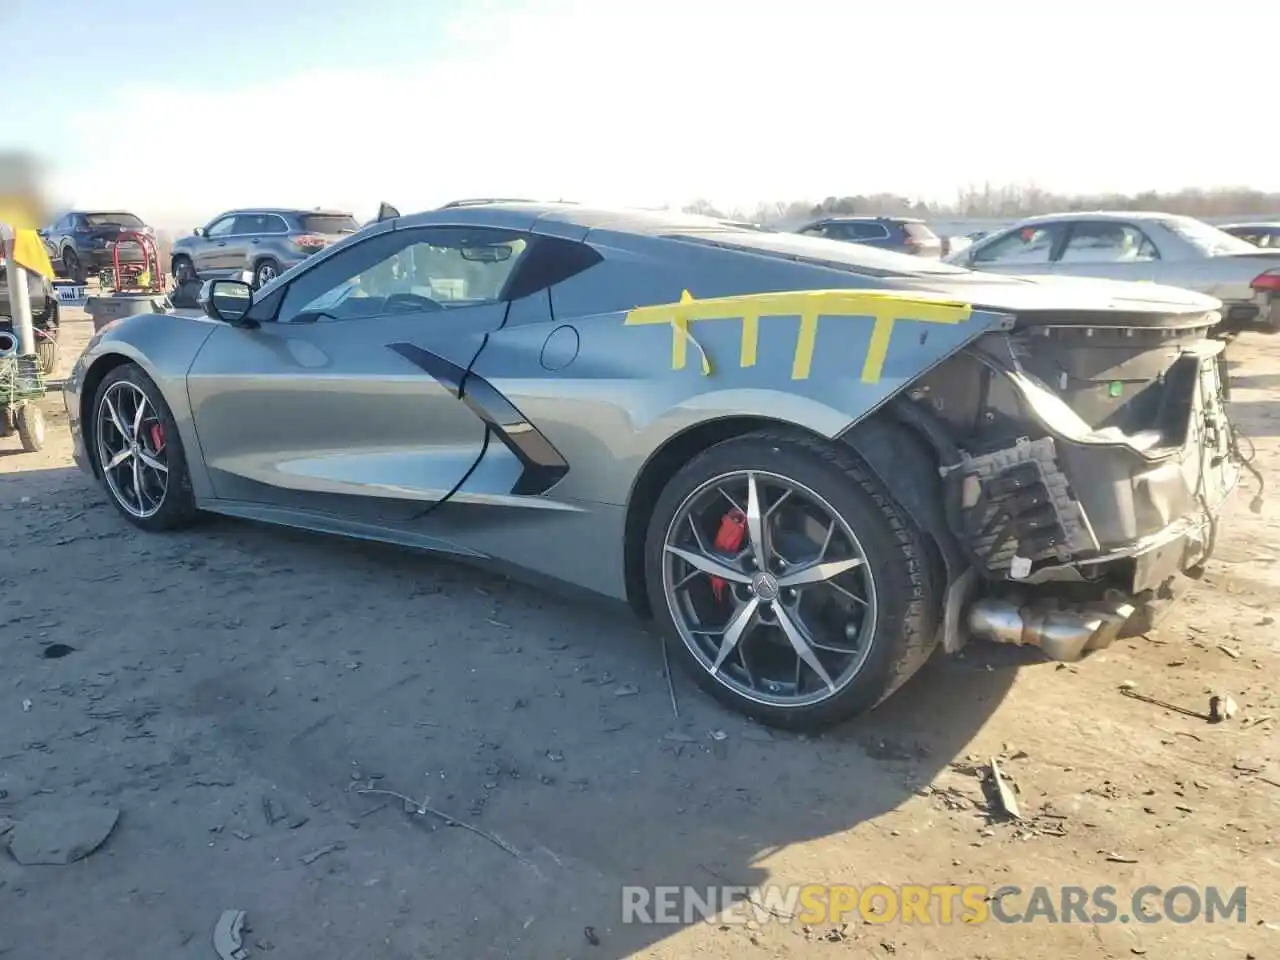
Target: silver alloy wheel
[769, 588]
[132, 449]
[266, 273]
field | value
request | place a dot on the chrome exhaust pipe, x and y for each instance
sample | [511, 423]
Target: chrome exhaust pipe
[8, 343]
[1064, 635]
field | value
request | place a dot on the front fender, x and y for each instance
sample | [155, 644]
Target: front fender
[164, 346]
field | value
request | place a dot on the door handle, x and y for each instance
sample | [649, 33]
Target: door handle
[222, 243]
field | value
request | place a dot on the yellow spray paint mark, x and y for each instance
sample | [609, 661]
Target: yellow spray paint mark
[883, 307]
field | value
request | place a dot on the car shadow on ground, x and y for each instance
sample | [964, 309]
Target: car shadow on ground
[320, 672]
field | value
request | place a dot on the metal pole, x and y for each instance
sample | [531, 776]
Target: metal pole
[20, 307]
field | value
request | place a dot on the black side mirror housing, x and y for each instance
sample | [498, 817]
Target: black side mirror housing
[228, 301]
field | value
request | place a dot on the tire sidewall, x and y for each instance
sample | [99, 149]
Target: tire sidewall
[894, 554]
[178, 507]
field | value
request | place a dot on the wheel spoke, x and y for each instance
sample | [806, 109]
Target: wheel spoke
[734, 631]
[818, 572]
[115, 419]
[137, 482]
[138, 416]
[710, 565]
[757, 527]
[802, 646]
[152, 462]
[119, 458]
[849, 594]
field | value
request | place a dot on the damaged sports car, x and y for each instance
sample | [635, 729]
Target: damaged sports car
[811, 463]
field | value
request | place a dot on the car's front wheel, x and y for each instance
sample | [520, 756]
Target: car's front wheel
[183, 270]
[139, 451]
[790, 585]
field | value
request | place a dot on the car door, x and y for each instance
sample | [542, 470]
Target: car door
[1111, 249]
[209, 254]
[236, 256]
[1022, 250]
[348, 402]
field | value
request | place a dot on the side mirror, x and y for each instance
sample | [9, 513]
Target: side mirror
[226, 300]
[198, 232]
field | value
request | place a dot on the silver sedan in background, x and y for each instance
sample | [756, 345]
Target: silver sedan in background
[1156, 247]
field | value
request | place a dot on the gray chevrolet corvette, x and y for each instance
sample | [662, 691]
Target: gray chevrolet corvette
[812, 463]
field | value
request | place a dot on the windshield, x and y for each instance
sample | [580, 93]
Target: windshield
[112, 220]
[328, 223]
[1210, 241]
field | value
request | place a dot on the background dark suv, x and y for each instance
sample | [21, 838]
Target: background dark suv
[262, 241]
[901, 234]
[81, 243]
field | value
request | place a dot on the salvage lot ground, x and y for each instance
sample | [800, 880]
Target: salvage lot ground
[229, 675]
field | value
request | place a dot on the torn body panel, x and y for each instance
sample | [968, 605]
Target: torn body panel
[1081, 469]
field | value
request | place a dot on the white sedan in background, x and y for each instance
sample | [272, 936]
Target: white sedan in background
[1157, 247]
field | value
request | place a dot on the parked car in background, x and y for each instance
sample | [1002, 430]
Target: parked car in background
[900, 234]
[1265, 235]
[83, 242]
[263, 241]
[1156, 247]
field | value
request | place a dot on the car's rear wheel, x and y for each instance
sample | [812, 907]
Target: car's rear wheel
[264, 273]
[792, 588]
[139, 452]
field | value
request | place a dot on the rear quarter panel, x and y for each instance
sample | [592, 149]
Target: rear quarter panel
[666, 343]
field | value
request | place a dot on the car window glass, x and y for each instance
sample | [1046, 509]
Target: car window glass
[1031, 244]
[1104, 242]
[275, 225]
[443, 270]
[221, 228]
[249, 223]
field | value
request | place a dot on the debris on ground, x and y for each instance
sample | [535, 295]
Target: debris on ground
[1134, 695]
[1221, 707]
[1004, 792]
[227, 935]
[314, 855]
[60, 837]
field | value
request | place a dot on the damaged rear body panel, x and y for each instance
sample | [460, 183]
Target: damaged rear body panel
[1083, 457]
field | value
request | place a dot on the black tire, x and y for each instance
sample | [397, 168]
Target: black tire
[30, 425]
[178, 508]
[72, 267]
[907, 604]
[184, 270]
[47, 356]
[261, 269]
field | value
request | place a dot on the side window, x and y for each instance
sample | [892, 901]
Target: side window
[1028, 245]
[407, 271]
[249, 224]
[275, 224]
[1107, 242]
[220, 228]
[837, 231]
[867, 231]
[814, 231]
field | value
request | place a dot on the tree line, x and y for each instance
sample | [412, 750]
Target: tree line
[1006, 202]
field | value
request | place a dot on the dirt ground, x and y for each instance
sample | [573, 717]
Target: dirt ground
[234, 675]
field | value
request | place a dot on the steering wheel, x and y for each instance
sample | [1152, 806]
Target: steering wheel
[413, 301]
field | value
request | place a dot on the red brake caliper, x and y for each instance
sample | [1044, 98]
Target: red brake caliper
[157, 437]
[733, 530]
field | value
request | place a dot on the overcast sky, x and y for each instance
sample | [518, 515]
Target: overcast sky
[179, 110]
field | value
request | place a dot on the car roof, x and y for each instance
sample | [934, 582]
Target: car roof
[630, 220]
[1251, 225]
[287, 211]
[1076, 216]
[857, 218]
